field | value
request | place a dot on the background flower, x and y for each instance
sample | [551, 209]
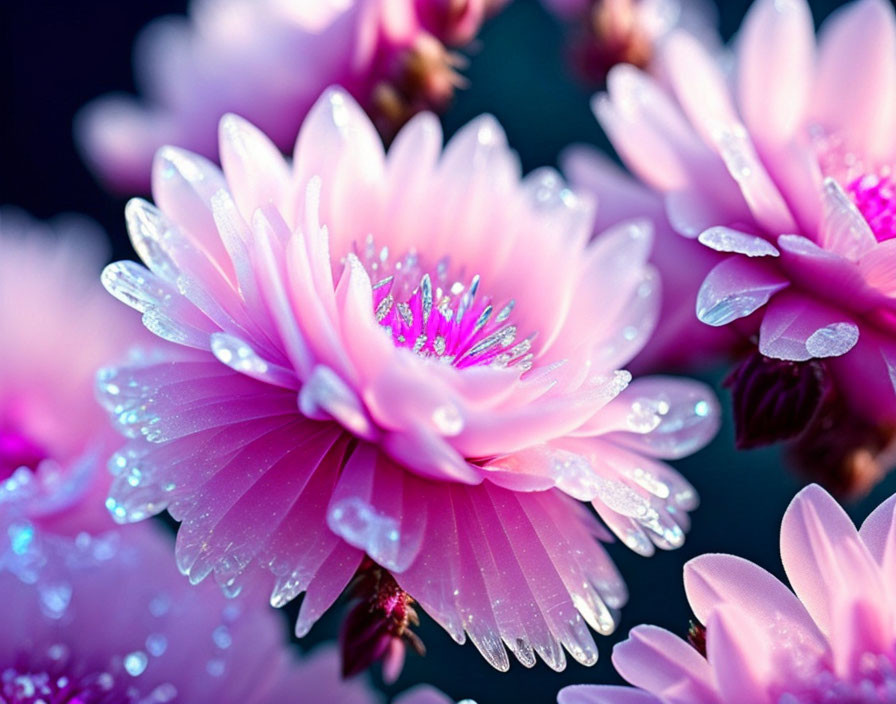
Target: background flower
[108, 618]
[788, 175]
[832, 641]
[58, 328]
[269, 60]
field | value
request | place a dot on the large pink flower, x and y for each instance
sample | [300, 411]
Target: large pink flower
[787, 172]
[413, 356]
[270, 60]
[107, 619]
[58, 328]
[831, 642]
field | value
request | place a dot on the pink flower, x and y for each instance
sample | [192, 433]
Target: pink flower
[107, 618]
[788, 173]
[831, 642]
[57, 328]
[412, 355]
[270, 60]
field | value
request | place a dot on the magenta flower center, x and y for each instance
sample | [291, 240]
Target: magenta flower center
[438, 314]
[874, 684]
[18, 450]
[873, 190]
[875, 197]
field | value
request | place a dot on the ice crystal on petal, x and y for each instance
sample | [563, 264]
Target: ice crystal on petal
[437, 315]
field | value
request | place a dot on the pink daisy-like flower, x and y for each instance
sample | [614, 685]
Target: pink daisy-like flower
[412, 355]
[833, 641]
[270, 60]
[786, 170]
[610, 32]
[58, 328]
[107, 619]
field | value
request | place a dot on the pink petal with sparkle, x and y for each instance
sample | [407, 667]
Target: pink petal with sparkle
[705, 98]
[797, 328]
[878, 532]
[714, 581]
[827, 564]
[664, 665]
[735, 288]
[739, 653]
[486, 544]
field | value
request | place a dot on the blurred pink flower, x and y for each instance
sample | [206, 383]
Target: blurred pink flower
[58, 328]
[413, 356]
[269, 60]
[610, 32]
[831, 642]
[786, 169]
[108, 619]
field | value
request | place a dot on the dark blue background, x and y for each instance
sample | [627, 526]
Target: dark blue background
[58, 54]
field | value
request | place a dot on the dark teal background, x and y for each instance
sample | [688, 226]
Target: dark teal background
[57, 54]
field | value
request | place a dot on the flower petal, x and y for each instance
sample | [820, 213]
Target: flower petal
[724, 239]
[735, 288]
[495, 557]
[712, 581]
[255, 170]
[843, 228]
[374, 507]
[687, 410]
[740, 656]
[878, 532]
[655, 660]
[878, 267]
[776, 54]
[796, 328]
[824, 559]
[703, 92]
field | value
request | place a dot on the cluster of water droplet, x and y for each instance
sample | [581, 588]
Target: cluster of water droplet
[56, 686]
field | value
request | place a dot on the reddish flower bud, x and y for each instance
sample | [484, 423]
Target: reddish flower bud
[697, 637]
[421, 77]
[774, 399]
[614, 34]
[378, 626]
